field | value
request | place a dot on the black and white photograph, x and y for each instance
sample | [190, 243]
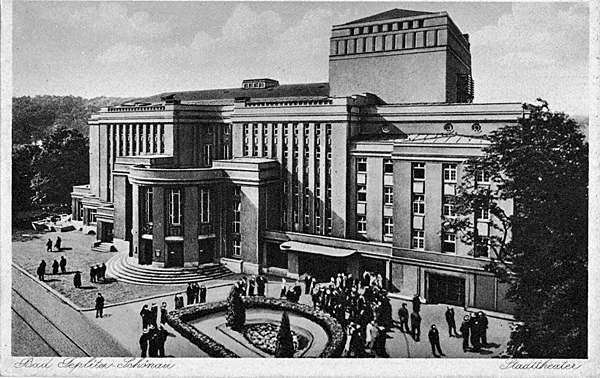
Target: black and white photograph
[299, 188]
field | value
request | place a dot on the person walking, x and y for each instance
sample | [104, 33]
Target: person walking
[464, 331]
[58, 244]
[144, 339]
[189, 292]
[483, 328]
[77, 280]
[49, 245]
[163, 313]
[99, 305]
[451, 323]
[55, 267]
[415, 326]
[434, 340]
[203, 294]
[416, 302]
[63, 265]
[403, 316]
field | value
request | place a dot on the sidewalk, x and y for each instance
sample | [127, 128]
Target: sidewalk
[52, 325]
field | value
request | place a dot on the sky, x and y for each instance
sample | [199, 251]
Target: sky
[520, 51]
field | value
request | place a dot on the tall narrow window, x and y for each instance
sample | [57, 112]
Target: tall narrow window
[449, 172]
[419, 204]
[361, 193]
[388, 166]
[207, 156]
[361, 165]
[149, 206]
[388, 226]
[419, 171]
[175, 207]
[361, 224]
[449, 243]
[237, 247]
[388, 196]
[418, 239]
[205, 215]
[237, 207]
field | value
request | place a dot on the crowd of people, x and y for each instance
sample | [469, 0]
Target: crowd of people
[195, 294]
[41, 269]
[98, 273]
[154, 336]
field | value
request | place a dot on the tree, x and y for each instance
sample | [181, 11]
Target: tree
[285, 342]
[22, 173]
[541, 166]
[236, 312]
[62, 163]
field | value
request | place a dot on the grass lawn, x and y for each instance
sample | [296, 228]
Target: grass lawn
[29, 249]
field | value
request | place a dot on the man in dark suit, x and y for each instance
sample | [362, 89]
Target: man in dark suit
[145, 314]
[307, 283]
[416, 302]
[99, 305]
[260, 285]
[196, 291]
[144, 342]
[63, 264]
[202, 294]
[483, 328]
[403, 316]
[415, 325]
[153, 315]
[450, 321]
[434, 340]
[189, 292]
[464, 330]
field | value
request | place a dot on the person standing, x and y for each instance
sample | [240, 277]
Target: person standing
[99, 305]
[102, 270]
[178, 301]
[145, 314]
[153, 315]
[153, 341]
[475, 328]
[483, 328]
[144, 342]
[55, 267]
[196, 292]
[464, 331]
[63, 265]
[93, 273]
[416, 302]
[189, 292]
[415, 325]
[307, 282]
[283, 289]
[163, 313]
[41, 270]
[403, 316]
[58, 244]
[161, 338]
[434, 340]
[371, 335]
[451, 322]
[260, 285]
[203, 294]
[77, 280]
[49, 245]
[251, 286]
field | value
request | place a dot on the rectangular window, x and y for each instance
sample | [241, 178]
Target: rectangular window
[418, 171]
[149, 206]
[388, 195]
[237, 247]
[449, 210]
[483, 177]
[237, 207]
[175, 207]
[483, 214]
[205, 216]
[388, 226]
[361, 165]
[449, 172]
[361, 193]
[361, 224]
[388, 166]
[208, 148]
[449, 244]
[419, 205]
[92, 216]
[418, 239]
[482, 247]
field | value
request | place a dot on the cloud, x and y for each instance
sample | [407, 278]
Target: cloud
[106, 18]
[124, 52]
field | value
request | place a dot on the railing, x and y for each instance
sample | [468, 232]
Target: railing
[175, 231]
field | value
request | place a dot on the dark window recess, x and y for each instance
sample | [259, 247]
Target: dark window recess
[465, 88]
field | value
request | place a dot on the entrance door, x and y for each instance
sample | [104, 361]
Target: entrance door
[174, 255]
[321, 267]
[107, 232]
[205, 251]
[145, 256]
[445, 289]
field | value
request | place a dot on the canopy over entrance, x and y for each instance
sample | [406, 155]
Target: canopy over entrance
[317, 249]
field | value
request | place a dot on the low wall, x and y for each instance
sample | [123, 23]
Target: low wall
[179, 320]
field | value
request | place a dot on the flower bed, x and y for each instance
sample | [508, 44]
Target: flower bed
[264, 337]
[179, 319]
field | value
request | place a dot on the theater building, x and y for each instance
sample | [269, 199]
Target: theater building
[351, 175]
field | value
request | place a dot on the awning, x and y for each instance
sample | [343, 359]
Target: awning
[316, 249]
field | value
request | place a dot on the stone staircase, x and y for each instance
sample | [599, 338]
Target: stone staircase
[126, 269]
[103, 247]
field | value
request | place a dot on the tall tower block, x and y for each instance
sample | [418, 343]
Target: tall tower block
[403, 56]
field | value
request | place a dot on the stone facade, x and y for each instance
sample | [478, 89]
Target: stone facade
[355, 172]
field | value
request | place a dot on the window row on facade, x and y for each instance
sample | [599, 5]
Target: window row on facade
[389, 42]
